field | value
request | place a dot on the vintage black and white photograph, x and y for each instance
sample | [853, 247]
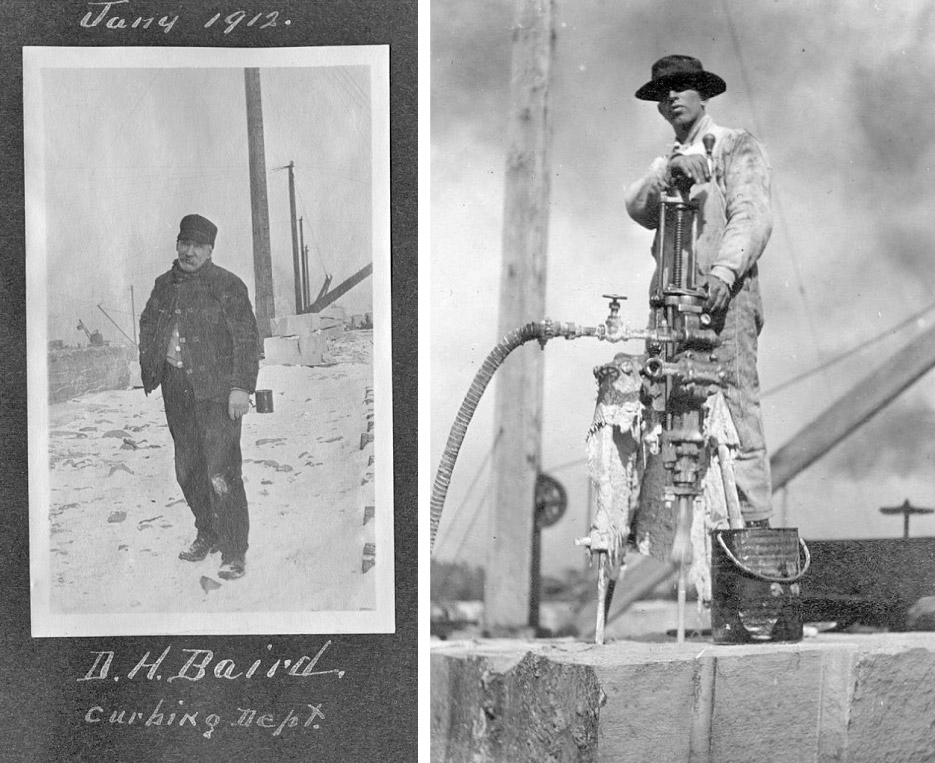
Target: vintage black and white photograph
[682, 400]
[208, 270]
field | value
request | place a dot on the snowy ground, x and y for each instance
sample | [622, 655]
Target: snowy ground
[118, 519]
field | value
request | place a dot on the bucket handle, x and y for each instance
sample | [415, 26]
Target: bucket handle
[760, 575]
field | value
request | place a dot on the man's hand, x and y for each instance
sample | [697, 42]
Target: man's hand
[692, 166]
[238, 403]
[718, 294]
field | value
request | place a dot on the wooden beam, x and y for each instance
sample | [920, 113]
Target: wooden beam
[864, 400]
[326, 298]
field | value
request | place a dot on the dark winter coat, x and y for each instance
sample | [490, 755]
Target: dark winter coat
[217, 331]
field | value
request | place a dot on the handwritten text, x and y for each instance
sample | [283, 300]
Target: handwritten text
[106, 14]
[201, 663]
[306, 716]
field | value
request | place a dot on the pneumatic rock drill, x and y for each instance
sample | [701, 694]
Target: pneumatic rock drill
[683, 365]
[679, 372]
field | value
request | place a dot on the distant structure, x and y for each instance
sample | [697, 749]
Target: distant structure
[906, 509]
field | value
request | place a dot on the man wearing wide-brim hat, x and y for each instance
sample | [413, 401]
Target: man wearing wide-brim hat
[199, 341]
[734, 224]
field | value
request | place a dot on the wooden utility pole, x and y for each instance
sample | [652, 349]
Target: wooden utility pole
[304, 260]
[296, 266]
[133, 313]
[259, 206]
[518, 402]
[307, 284]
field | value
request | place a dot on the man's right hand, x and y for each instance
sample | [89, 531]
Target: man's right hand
[718, 293]
[692, 166]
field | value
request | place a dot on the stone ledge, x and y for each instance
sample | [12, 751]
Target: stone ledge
[851, 698]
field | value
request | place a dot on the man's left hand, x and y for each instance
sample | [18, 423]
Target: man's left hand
[238, 403]
[718, 294]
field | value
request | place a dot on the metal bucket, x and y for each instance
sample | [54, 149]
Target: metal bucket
[264, 401]
[755, 591]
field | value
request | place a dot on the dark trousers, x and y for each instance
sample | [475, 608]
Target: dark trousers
[207, 463]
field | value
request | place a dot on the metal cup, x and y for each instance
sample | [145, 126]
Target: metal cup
[264, 401]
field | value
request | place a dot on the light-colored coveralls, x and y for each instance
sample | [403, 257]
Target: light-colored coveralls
[734, 224]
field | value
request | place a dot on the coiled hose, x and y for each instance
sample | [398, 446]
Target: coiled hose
[543, 331]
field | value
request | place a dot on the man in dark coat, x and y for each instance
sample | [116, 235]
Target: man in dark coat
[199, 340]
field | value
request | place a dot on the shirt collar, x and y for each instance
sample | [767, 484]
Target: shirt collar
[701, 127]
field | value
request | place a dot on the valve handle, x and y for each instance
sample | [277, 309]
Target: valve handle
[614, 301]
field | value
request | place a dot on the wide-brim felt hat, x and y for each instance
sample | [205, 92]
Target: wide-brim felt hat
[680, 73]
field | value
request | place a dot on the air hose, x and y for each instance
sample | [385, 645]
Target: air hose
[541, 330]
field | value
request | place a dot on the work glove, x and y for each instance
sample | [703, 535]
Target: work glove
[238, 403]
[692, 166]
[718, 294]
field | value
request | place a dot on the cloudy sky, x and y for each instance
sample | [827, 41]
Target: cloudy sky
[841, 96]
[129, 151]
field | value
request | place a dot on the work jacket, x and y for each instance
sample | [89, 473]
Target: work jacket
[218, 338]
[734, 220]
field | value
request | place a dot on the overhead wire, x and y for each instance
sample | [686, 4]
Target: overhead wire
[352, 88]
[888, 333]
[477, 507]
[355, 86]
[143, 93]
[777, 200]
[311, 231]
[340, 93]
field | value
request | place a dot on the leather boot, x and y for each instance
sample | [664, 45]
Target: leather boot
[232, 568]
[200, 548]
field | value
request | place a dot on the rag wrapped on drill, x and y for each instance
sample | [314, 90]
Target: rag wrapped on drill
[628, 484]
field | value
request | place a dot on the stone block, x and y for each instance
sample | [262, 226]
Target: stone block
[79, 371]
[440, 718]
[302, 350]
[892, 713]
[837, 690]
[334, 312]
[290, 325]
[863, 699]
[538, 710]
[646, 712]
[766, 706]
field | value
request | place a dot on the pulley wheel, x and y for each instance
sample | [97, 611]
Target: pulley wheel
[551, 500]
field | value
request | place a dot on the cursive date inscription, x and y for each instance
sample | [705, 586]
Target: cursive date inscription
[261, 20]
[108, 15]
[119, 22]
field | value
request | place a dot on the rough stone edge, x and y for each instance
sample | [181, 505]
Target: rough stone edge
[539, 709]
